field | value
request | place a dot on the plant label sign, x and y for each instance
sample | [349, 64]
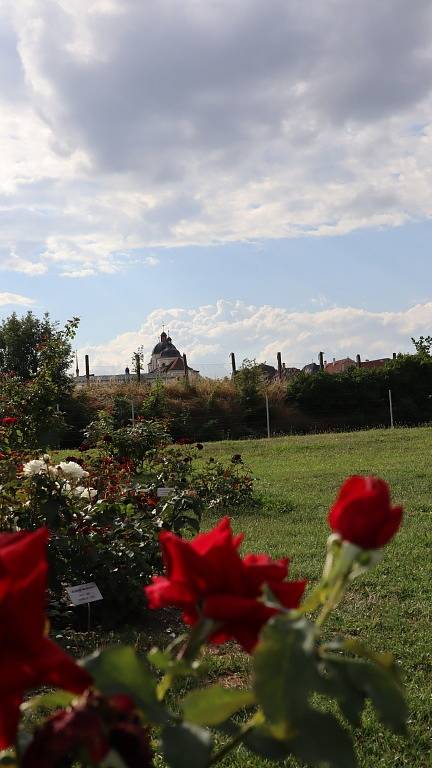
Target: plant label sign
[164, 491]
[84, 593]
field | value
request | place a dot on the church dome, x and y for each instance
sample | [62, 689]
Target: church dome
[170, 351]
[165, 347]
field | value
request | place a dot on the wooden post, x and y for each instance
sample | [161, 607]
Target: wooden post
[394, 355]
[358, 361]
[391, 409]
[233, 364]
[138, 367]
[279, 365]
[186, 371]
[321, 360]
[267, 415]
[87, 369]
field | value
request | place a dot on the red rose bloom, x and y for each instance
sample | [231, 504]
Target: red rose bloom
[95, 725]
[362, 513]
[7, 421]
[207, 576]
[27, 657]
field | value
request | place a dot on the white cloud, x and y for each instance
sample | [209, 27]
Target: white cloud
[209, 333]
[129, 125]
[15, 298]
[151, 261]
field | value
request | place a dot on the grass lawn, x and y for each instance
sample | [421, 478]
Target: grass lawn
[389, 608]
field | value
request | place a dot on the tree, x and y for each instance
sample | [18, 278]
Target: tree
[423, 345]
[30, 345]
[35, 384]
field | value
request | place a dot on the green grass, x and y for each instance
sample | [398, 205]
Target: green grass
[390, 608]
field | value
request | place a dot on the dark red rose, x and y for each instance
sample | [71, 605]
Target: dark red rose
[2, 456]
[199, 446]
[28, 658]
[184, 441]
[362, 513]
[207, 574]
[94, 726]
[107, 439]
[8, 421]
[83, 447]
[237, 459]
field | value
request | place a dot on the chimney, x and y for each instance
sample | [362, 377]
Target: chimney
[358, 361]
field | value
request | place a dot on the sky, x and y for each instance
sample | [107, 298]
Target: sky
[255, 175]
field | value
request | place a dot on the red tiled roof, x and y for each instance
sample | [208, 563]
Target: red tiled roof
[339, 365]
[375, 363]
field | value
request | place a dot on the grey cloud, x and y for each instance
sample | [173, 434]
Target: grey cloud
[168, 122]
[183, 79]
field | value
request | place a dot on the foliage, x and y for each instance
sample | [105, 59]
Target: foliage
[362, 394]
[307, 689]
[39, 385]
[423, 345]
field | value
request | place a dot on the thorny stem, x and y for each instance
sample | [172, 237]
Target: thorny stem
[331, 602]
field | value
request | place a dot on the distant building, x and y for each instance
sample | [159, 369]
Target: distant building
[167, 362]
[375, 363]
[339, 366]
[311, 368]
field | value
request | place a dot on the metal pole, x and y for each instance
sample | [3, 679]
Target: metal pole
[391, 409]
[268, 415]
[87, 369]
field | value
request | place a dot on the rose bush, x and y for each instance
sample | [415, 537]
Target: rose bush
[295, 668]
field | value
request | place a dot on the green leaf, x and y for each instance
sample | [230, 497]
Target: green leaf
[261, 742]
[163, 661]
[378, 683]
[285, 671]
[211, 706]
[54, 700]
[120, 670]
[322, 740]
[186, 745]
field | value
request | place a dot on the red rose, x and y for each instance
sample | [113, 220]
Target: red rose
[362, 513]
[7, 421]
[28, 658]
[208, 576]
[93, 726]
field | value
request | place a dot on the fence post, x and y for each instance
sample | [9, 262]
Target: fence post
[321, 360]
[267, 414]
[358, 361]
[279, 365]
[186, 370]
[87, 369]
[391, 410]
[233, 364]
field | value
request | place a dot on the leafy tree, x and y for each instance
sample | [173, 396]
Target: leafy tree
[423, 345]
[30, 345]
[35, 385]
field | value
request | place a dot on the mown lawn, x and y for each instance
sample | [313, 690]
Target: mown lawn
[389, 608]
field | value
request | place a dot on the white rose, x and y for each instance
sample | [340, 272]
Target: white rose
[34, 467]
[72, 470]
[88, 493]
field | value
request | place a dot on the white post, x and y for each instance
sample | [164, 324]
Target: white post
[133, 414]
[268, 415]
[391, 410]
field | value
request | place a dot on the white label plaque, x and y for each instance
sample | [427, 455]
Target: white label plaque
[164, 491]
[84, 593]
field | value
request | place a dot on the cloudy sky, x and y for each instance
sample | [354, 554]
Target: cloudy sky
[256, 174]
